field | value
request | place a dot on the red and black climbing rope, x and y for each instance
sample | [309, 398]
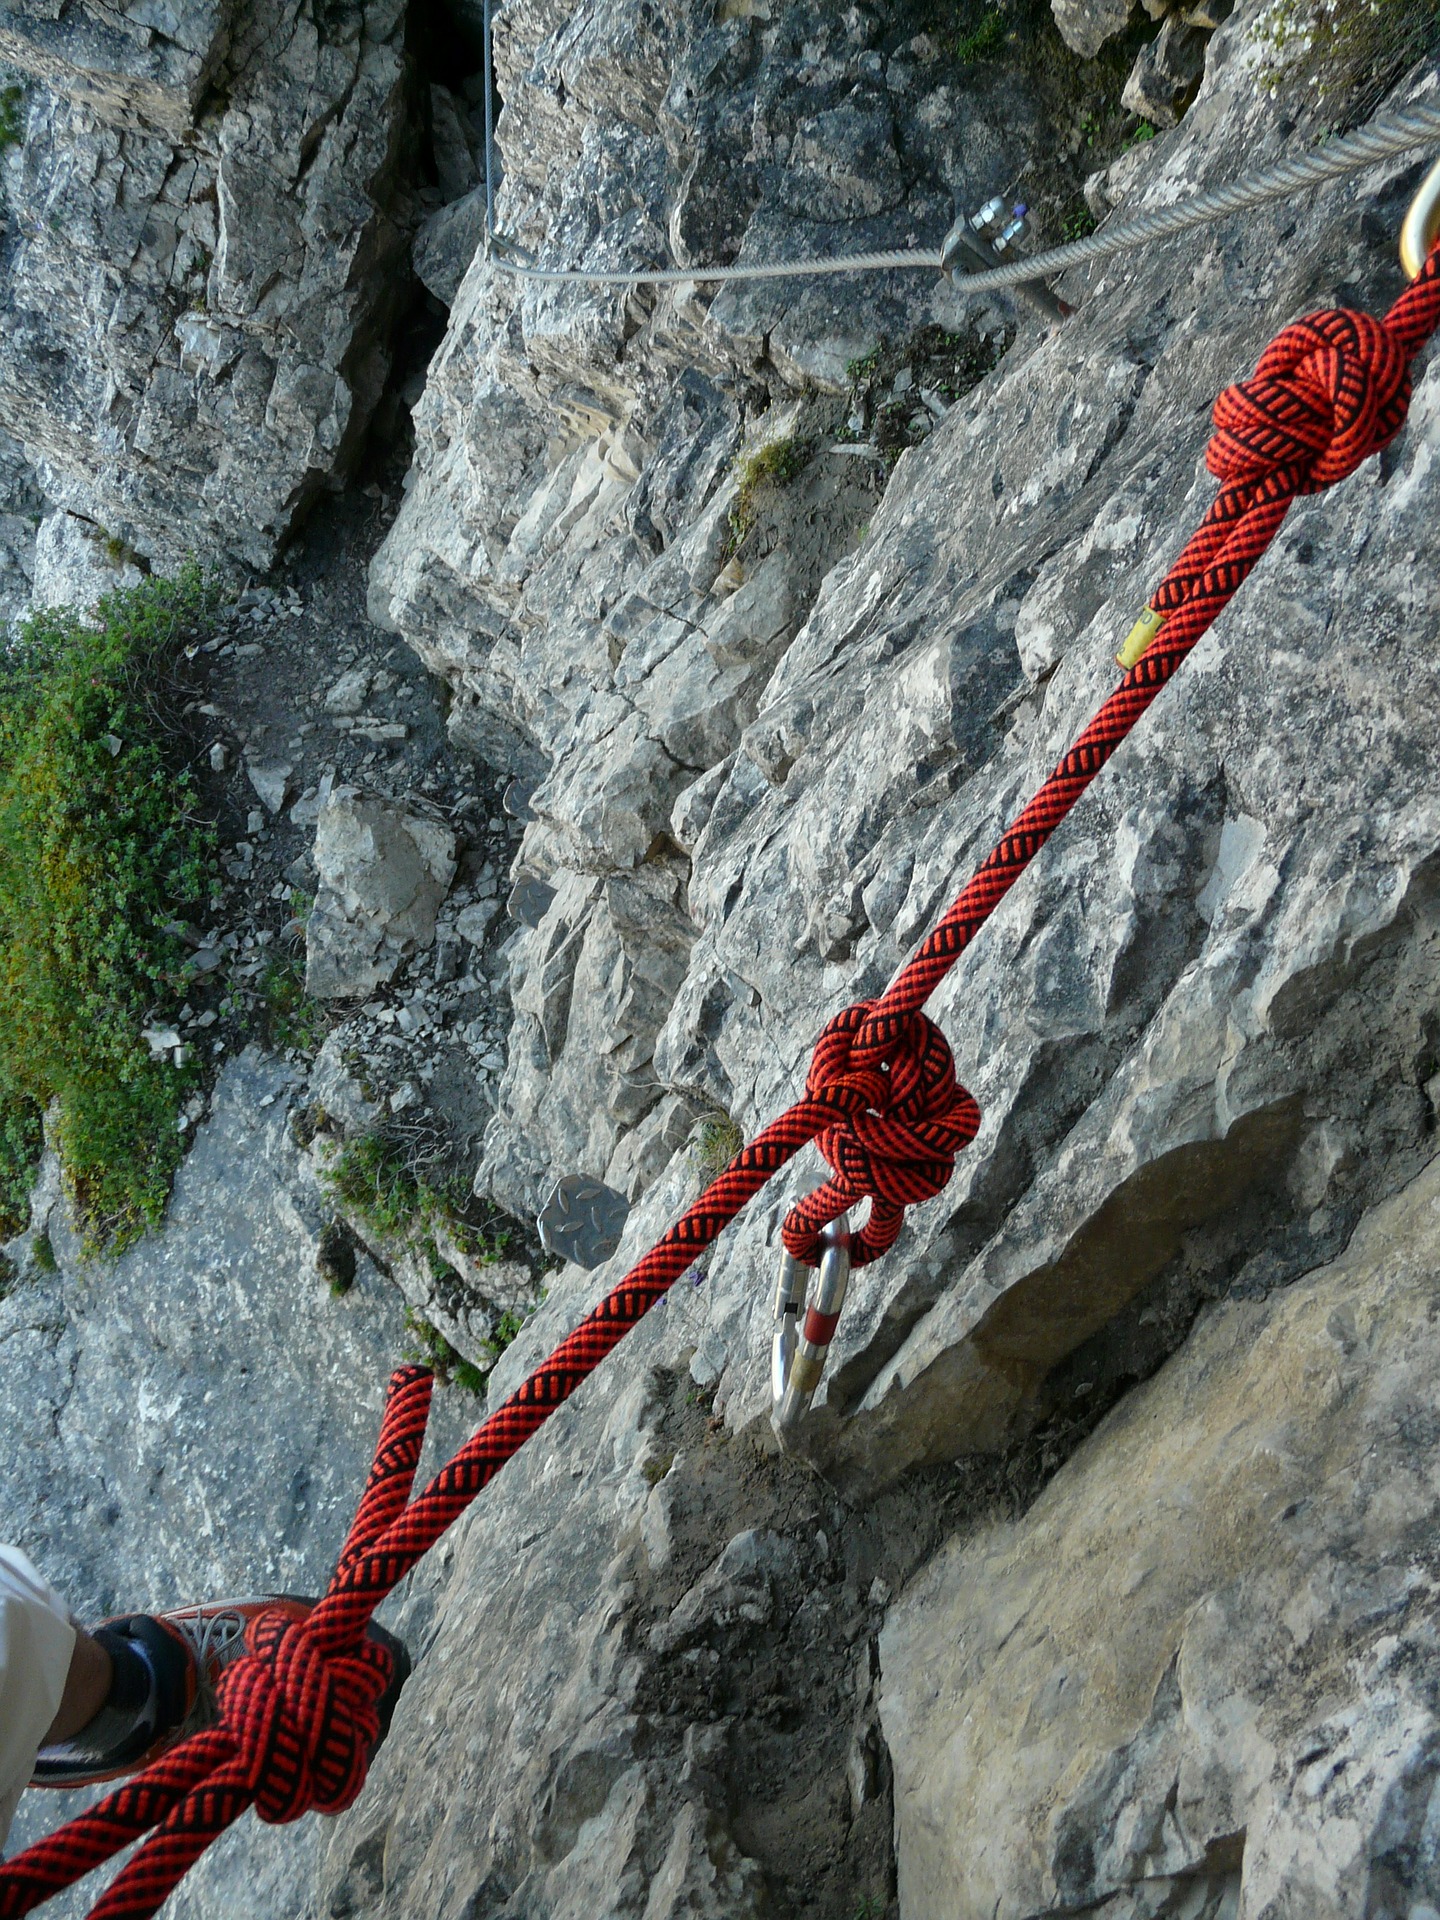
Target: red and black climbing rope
[882, 1103]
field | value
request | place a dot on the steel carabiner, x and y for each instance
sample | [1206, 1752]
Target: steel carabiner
[799, 1348]
[1421, 228]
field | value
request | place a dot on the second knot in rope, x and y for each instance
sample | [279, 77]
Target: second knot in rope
[1329, 391]
[304, 1721]
[901, 1117]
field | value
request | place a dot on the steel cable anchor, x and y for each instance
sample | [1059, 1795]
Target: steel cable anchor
[804, 1327]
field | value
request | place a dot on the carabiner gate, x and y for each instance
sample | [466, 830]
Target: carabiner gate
[1422, 224]
[799, 1348]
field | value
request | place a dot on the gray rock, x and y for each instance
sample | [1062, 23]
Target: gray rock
[339, 1089]
[383, 871]
[473, 922]
[209, 1411]
[451, 145]
[22, 506]
[208, 221]
[1166, 73]
[1085, 25]
[447, 242]
[349, 693]
[272, 782]
[1200, 1668]
[739, 1588]
[75, 564]
[529, 900]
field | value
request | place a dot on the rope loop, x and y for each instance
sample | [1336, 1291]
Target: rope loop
[902, 1117]
[1329, 391]
[304, 1722]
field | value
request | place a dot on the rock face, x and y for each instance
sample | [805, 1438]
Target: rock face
[200, 267]
[198, 1420]
[770, 699]
[74, 565]
[22, 507]
[1199, 1675]
[383, 871]
[1200, 1029]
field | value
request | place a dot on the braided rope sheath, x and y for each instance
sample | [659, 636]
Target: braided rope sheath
[881, 1101]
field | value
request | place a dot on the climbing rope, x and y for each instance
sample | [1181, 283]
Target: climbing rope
[881, 1102]
[1387, 134]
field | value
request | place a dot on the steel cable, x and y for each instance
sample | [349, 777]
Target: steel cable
[1387, 134]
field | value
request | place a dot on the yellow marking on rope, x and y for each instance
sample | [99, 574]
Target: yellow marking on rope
[1139, 637]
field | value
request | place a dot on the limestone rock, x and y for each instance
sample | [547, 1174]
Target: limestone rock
[340, 1091]
[383, 871]
[201, 1423]
[447, 242]
[1202, 1665]
[207, 223]
[271, 780]
[740, 1587]
[75, 564]
[1085, 25]
[349, 693]
[1166, 73]
[21, 511]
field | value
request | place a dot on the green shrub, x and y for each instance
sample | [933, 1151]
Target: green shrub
[12, 117]
[289, 1017]
[100, 848]
[774, 465]
[428, 1347]
[716, 1142]
[374, 1178]
[989, 35]
[378, 1178]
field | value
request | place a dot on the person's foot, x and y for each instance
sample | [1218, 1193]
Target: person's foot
[166, 1667]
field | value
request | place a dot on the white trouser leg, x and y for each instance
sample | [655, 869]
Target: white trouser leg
[36, 1642]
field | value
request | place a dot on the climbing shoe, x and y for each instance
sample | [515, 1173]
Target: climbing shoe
[166, 1667]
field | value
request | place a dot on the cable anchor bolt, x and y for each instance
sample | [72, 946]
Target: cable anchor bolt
[804, 1327]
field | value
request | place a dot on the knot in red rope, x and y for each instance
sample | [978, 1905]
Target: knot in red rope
[1328, 392]
[901, 1118]
[304, 1721]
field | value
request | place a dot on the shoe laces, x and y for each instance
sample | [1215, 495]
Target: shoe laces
[213, 1641]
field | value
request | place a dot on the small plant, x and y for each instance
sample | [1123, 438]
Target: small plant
[375, 1179]
[100, 847]
[656, 1468]
[42, 1251]
[20, 1143]
[382, 1183]
[12, 117]
[289, 1017]
[1351, 50]
[428, 1347]
[716, 1142]
[774, 465]
[506, 1328]
[858, 371]
[1078, 222]
[1143, 132]
[335, 1258]
[991, 33]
